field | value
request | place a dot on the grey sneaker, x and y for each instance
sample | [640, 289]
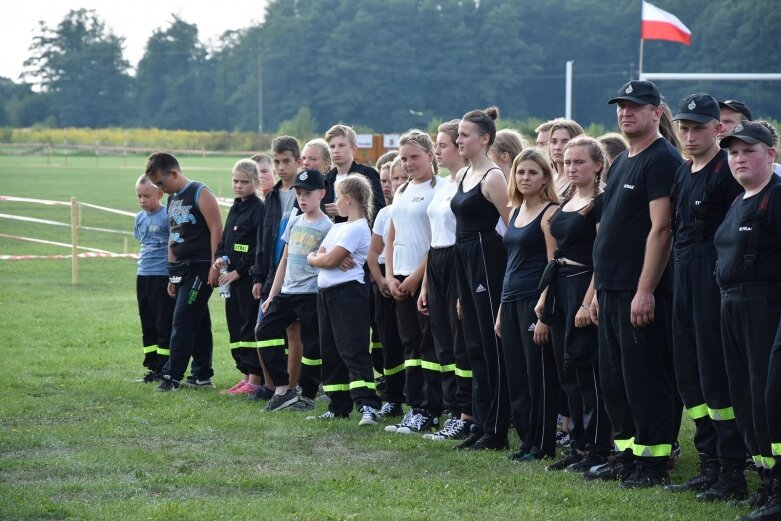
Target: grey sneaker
[280, 401]
[303, 404]
[194, 383]
[368, 416]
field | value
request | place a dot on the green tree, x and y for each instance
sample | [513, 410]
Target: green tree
[81, 65]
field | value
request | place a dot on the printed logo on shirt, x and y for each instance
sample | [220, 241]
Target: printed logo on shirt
[180, 213]
[744, 229]
[175, 237]
[629, 187]
[697, 203]
[243, 248]
[418, 199]
[531, 326]
[154, 228]
[480, 288]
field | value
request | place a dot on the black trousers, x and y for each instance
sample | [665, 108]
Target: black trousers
[348, 375]
[531, 378]
[191, 333]
[698, 354]
[285, 309]
[772, 408]
[636, 374]
[446, 331]
[480, 265]
[392, 350]
[241, 312]
[750, 314]
[576, 361]
[423, 387]
[156, 311]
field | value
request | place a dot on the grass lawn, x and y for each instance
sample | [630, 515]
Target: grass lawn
[80, 440]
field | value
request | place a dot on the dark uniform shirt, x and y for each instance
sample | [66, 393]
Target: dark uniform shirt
[240, 236]
[378, 199]
[733, 235]
[189, 236]
[633, 182]
[527, 255]
[575, 233]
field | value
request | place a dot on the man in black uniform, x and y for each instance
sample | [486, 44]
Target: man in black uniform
[634, 294]
[703, 192]
[748, 243]
[732, 113]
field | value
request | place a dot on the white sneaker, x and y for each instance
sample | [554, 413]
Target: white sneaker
[368, 416]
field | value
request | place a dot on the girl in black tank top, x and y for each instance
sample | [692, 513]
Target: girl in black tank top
[531, 368]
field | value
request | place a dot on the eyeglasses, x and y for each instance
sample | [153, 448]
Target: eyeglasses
[162, 181]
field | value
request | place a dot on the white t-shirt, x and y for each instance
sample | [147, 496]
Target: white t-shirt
[443, 222]
[413, 230]
[354, 237]
[381, 228]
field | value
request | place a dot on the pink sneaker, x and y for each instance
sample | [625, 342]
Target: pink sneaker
[235, 388]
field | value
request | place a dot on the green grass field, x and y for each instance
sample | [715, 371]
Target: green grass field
[80, 440]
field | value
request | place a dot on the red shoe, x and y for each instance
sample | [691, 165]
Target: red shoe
[236, 387]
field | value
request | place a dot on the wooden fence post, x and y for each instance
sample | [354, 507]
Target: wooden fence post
[74, 242]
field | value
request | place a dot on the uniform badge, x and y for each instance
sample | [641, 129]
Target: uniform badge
[692, 105]
[738, 128]
[303, 176]
[629, 89]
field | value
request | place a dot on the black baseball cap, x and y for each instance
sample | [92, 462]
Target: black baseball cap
[699, 107]
[641, 92]
[310, 180]
[737, 106]
[749, 132]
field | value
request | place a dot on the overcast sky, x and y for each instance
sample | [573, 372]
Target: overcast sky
[133, 19]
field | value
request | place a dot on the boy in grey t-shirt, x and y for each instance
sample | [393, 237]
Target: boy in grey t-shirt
[293, 296]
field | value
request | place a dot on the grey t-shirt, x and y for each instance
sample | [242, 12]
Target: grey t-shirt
[303, 237]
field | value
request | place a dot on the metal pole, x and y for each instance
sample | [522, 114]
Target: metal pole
[568, 95]
[260, 92]
[718, 76]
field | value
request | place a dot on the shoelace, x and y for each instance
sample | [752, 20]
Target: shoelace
[452, 428]
[386, 408]
[446, 428]
[407, 420]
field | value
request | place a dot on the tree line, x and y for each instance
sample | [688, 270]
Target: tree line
[384, 65]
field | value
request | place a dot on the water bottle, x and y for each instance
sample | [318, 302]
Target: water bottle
[225, 289]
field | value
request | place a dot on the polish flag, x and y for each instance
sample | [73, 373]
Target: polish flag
[661, 25]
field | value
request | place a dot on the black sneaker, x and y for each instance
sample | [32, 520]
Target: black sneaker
[421, 421]
[730, 486]
[303, 404]
[280, 401]
[563, 439]
[194, 383]
[613, 470]
[368, 416]
[644, 477]
[168, 384]
[475, 433]
[771, 510]
[454, 429]
[262, 393]
[569, 459]
[391, 410]
[491, 442]
[149, 377]
[709, 473]
[405, 422]
[585, 464]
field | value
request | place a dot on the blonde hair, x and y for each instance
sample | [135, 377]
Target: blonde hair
[144, 180]
[249, 168]
[385, 159]
[613, 143]
[422, 140]
[357, 187]
[537, 156]
[320, 144]
[342, 131]
[509, 141]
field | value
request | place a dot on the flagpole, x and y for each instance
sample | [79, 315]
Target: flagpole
[640, 72]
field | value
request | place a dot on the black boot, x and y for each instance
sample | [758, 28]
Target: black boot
[771, 510]
[761, 496]
[731, 485]
[708, 475]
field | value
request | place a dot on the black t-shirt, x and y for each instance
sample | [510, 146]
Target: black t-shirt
[575, 233]
[732, 238]
[527, 255]
[688, 193]
[190, 238]
[633, 182]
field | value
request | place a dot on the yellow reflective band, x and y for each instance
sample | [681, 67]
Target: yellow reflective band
[163, 351]
[622, 445]
[243, 248]
[769, 462]
[361, 383]
[725, 414]
[235, 345]
[757, 461]
[312, 362]
[377, 374]
[652, 451]
[697, 412]
[464, 373]
[394, 370]
[776, 449]
[448, 368]
[413, 363]
[274, 342]
[375, 345]
[336, 387]
[431, 366]
[248, 345]
[150, 349]
[286, 353]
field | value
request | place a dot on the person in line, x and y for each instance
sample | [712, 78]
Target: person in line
[561, 132]
[343, 307]
[265, 174]
[748, 245]
[732, 113]
[479, 202]
[508, 144]
[238, 245]
[531, 367]
[315, 156]
[634, 294]
[195, 230]
[155, 306]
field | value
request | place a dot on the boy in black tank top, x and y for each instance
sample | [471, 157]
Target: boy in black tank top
[196, 230]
